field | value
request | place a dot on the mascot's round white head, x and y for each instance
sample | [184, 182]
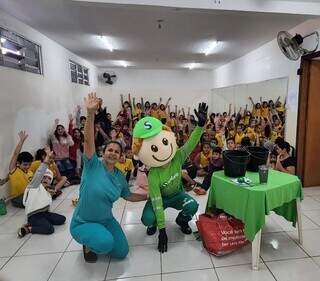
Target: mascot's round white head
[154, 143]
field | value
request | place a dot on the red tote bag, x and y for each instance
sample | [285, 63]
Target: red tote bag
[221, 234]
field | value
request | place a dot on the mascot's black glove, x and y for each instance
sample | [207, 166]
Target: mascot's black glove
[202, 114]
[163, 241]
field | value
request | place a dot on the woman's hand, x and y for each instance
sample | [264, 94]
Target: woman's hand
[91, 103]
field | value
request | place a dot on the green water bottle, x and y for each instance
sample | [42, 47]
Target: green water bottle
[3, 208]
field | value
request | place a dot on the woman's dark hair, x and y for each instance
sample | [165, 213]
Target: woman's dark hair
[258, 105]
[229, 139]
[212, 116]
[82, 118]
[246, 142]
[284, 145]
[267, 131]
[40, 154]
[115, 142]
[217, 150]
[265, 103]
[25, 157]
[147, 103]
[57, 135]
[81, 138]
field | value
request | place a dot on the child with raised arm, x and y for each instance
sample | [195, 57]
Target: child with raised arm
[19, 173]
[37, 200]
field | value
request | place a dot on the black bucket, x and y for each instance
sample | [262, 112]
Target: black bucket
[258, 156]
[235, 163]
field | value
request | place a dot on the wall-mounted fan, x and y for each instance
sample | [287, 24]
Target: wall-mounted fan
[291, 46]
[109, 77]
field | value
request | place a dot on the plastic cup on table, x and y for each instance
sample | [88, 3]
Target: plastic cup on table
[263, 174]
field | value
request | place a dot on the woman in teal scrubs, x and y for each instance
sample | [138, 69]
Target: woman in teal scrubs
[93, 224]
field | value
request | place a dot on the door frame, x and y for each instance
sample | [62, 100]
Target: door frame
[304, 73]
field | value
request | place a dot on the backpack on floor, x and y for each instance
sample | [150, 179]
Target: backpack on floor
[221, 234]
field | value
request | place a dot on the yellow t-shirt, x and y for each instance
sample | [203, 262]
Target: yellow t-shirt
[204, 159]
[256, 112]
[36, 164]
[172, 122]
[18, 181]
[137, 112]
[154, 113]
[219, 138]
[238, 138]
[162, 114]
[231, 133]
[246, 120]
[274, 135]
[280, 108]
[251, 133]
[126, 166]
[265, 112]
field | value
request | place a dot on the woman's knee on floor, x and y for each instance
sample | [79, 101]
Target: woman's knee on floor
[120, 250]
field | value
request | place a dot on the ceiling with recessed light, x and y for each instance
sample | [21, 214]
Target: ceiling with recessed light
[150, 37]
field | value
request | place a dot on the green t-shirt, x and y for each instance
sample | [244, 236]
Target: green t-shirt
[166, 182]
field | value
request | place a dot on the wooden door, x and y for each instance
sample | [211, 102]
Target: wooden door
[312, 140]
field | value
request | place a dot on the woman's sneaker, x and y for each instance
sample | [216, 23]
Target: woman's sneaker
[88, 255]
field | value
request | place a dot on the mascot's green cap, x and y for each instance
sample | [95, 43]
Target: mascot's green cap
[147, 127]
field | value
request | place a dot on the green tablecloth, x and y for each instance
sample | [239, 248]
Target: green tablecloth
[251, 204]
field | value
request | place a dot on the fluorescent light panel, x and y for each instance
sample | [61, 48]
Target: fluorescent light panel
[124, 63]
[192, 66]
[5, 50]
[106, 42]
[211, 47]
[3, 40]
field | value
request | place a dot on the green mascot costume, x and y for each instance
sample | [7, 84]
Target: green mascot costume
[155, 146]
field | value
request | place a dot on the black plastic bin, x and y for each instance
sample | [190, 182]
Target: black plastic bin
[258, 156]
[235, 163]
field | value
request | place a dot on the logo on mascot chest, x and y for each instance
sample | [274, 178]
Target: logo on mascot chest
[147, 125]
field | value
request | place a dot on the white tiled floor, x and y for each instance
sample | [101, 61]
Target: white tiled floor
[58, 257]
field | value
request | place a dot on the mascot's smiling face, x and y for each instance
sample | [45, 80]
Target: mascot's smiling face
[158, 150]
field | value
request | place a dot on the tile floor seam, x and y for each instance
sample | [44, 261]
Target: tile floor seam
[189, 270]
[38, 254]
[122, 278]
[270, 271]
[55, 266]
[298, 244]
[161, 266]
[134, 276]
[109, 262]
[311, 220]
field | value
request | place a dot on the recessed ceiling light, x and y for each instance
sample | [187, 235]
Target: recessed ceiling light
[106, 42]
[3, 40]
[211, 47]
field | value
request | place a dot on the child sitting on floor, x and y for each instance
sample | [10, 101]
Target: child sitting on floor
[216, 164]
[37, 200]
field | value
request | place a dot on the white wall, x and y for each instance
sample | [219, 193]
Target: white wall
[31, 102]
[238, 95]
[264, 63]
[187, 88]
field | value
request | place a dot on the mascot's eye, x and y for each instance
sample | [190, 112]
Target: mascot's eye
[165, 141]
[154, 148]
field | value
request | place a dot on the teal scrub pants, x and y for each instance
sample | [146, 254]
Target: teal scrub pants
[181, 201]
[106, 238]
